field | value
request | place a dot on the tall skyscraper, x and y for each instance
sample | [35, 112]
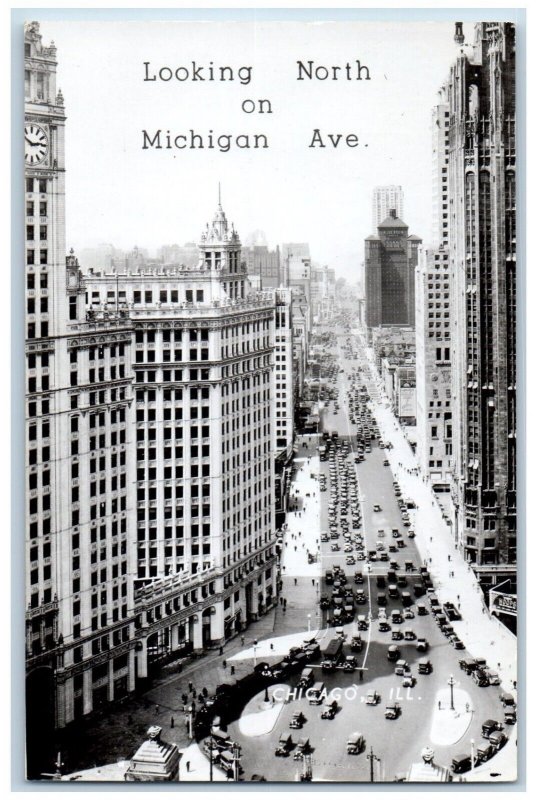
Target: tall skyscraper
[386, 198]
[434, 412]
[482, 248]
[390, 260]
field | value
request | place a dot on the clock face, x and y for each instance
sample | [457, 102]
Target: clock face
[35, 144]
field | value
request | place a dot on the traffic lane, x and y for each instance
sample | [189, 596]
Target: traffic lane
[397, 742]
[400, 743]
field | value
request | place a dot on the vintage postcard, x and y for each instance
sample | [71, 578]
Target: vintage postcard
[270, 337]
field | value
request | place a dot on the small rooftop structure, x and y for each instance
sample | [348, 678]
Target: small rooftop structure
[155, 760]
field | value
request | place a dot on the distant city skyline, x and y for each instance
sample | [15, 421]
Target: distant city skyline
[117, 192]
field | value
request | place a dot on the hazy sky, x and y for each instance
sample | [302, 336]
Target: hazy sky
[119, 193]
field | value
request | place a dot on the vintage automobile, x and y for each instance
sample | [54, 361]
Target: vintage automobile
[372, 698]
[509, 716]
[303, 747]
[330, 709]
[350, 664]
[356, 644]
[397, 635]
[285, 745]
[408, 681]
[422, 645]
[393, 710]
[355, 743]
[393, 653]
[297, 720]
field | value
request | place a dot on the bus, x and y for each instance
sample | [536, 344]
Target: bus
[332, 655]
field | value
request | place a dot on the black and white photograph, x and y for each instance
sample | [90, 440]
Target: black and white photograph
[270, 338]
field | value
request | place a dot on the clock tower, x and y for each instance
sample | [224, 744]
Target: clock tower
[44, 157]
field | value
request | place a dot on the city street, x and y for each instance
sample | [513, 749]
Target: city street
[426, 718]
[397, 743]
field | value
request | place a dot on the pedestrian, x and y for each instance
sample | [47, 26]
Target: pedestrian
[467, 707]
[449, 557]
[224, 663]
[184, 698]
[271, 646]
[187, 766]
[361, 673]
[157, 709]
[284, 603]
[295, 581]
[172, 723]
[232, 670]
[439, 705]
[313, 581]
[221, 650]
[295, 548]
[190, 686]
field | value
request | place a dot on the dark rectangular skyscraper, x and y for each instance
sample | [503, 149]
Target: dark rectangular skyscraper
[390, 261]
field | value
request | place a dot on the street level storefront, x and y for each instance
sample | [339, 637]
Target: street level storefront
[503, 603]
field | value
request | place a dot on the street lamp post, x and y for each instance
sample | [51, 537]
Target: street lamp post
[472, 757]
[372, 758]
[451, 684]
[255, 651]
[190, 720]
[211, 743]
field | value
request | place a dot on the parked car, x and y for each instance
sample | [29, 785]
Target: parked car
[490, 726]
[461, 763]
[480, 677]
[494, 678]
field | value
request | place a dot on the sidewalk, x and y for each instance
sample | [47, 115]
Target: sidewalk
[453, 578]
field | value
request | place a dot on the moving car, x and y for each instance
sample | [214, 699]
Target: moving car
[303, 747]
[285, 745]
[377, 508]
[297, 720]
[316, 694]
[424, 666]
[355, 743]
[422, 645]
[372, 698]
[393, 710]
[329, 710]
